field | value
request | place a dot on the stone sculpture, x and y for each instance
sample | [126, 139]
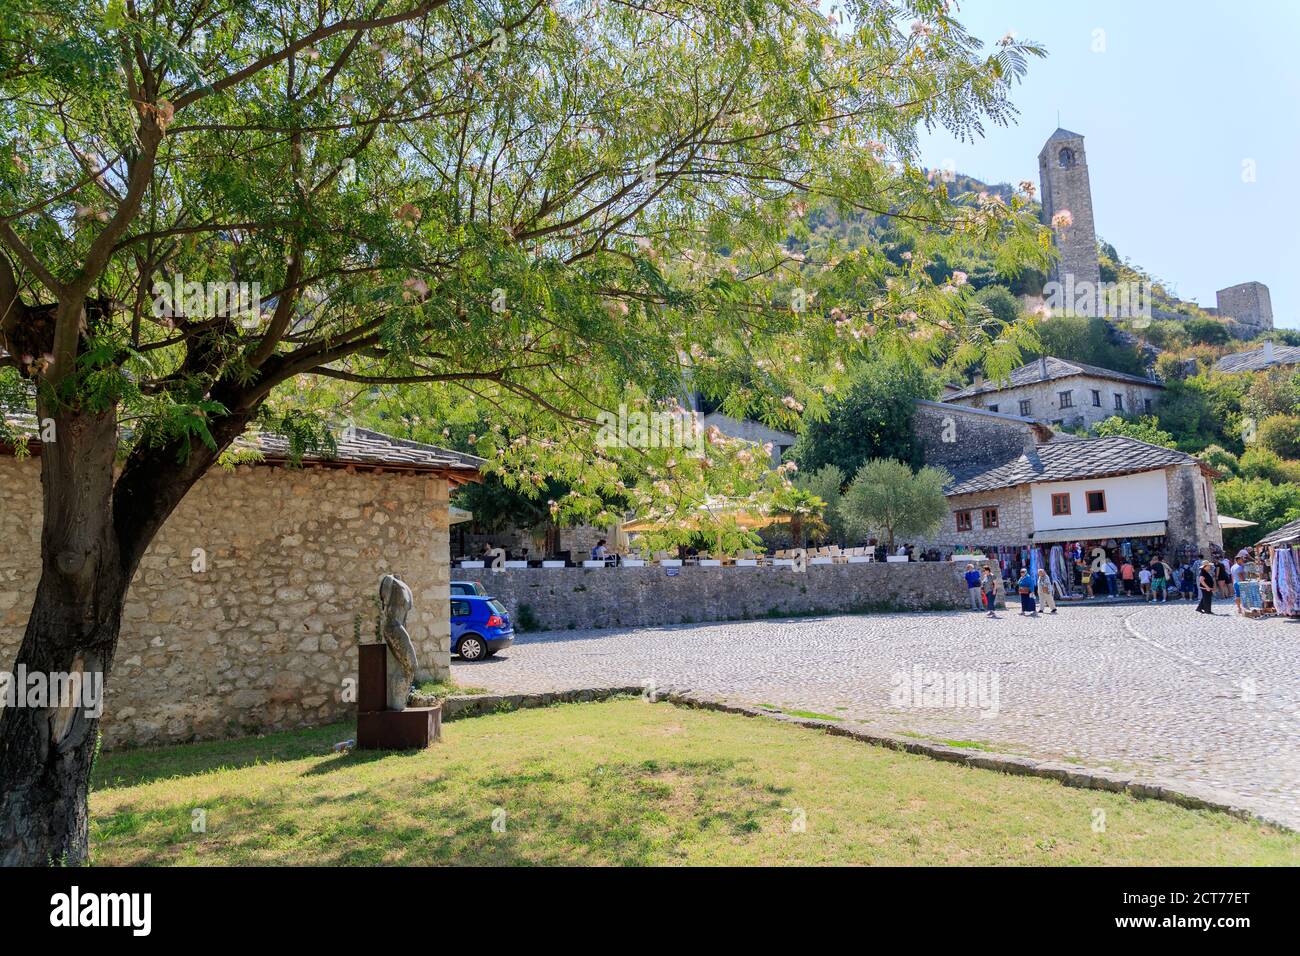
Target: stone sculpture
[395, 601]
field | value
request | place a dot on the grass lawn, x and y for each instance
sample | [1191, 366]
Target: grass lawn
[625, 782]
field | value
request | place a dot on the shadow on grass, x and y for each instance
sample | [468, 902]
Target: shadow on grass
[128, 768]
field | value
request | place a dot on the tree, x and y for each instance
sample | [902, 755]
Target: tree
[827, 484]
[1220, 459]
[872, 420]
[547, 211]
[1260, 463]
[1208, 332]
[1281, 434]
[1088, 340]
[887, 496]
[999, 300]
[1255, 499]
[1145, 428]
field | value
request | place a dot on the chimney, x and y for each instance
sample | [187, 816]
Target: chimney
[1268, 350]
[979, 379]
[1042, 367]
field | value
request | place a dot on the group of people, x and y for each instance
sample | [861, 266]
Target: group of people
[1155, 582]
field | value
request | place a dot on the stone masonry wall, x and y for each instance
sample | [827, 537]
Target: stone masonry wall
[1045, 401]
[642, 597]
[263, 639]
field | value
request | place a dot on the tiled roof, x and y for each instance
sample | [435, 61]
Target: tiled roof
[1055, 369]
[1255, 360]
[1283, 535]
[361, 446]
[355, 446]
[1070, 461]
[1062, 133]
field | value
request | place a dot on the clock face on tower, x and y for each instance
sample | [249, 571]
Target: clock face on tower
[1065, 157]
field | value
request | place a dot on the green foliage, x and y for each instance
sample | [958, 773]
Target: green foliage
[1088, 340]
[1201, 410]
[1261, 463]
[827, 484]
[1000, 302]
[888, 498]
[1281, 434]
[1145, 428]
[1208, 332]
[1274, 392]
[873, 419]
[1256, 499]
[1220, 459]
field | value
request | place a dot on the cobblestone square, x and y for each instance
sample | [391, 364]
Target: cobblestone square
[1156, 690]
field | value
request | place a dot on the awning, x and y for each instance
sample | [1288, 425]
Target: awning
[1143, 529]
[1227, 522]
[457, 515]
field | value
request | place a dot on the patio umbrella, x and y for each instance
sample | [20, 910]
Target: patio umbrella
[1227, 522]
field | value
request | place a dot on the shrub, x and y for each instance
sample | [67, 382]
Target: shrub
[1281, 434]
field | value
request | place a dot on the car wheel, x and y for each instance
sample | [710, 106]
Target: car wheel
[472, 648]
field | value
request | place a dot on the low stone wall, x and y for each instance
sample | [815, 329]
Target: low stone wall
[559, 598]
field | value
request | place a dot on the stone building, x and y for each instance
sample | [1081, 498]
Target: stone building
[1067, 394]
[1265, 357]
[244, 614]
[1248, 303]
[1017, 483]
[1063, 178]
[751, 431]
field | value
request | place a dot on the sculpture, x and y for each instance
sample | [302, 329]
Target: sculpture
[395, 601]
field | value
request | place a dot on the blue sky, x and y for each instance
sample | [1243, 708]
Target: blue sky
[1181, 95]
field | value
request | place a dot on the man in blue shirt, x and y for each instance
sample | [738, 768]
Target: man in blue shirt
[973, 588]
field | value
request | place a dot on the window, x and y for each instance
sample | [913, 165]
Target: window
[1065, 157]
[1061, 504]
[990, 517]
[963, 521]
[1119, 402]
[1066, 399]
[460, 608]
[1024, 408]
[1146, 405]
[1096, 501]
[993, 408]
[1096, 398]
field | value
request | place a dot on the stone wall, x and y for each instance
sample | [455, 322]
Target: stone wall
[1015, 520]
[264, 638]
[1249, 303]
[641, 597]
[1188, 523]
[1065, 188]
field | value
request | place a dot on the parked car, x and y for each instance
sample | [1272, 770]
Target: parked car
[468, 587]
[480, 627]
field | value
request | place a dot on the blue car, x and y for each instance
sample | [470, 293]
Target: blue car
[480, 627]
[468, 587]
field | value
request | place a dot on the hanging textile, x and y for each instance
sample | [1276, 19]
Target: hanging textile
[1058, 570]
[1286, 589]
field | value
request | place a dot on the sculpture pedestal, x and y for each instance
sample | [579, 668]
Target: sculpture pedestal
[378, 728]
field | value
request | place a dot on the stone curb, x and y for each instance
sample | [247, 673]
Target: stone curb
[477, 705]
[1070, 775]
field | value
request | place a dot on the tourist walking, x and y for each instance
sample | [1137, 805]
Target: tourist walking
[1046, 595]
[1126, 573]
[1160, 575]
[1144, 583]
[1026, 588]
[1238, 573]
[990, 585]
[1112, 578]
[1205, 583]
[973, 587]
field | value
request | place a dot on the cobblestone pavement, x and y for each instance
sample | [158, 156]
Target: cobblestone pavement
[1158, 690]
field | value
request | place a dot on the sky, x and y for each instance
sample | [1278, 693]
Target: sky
[1190, 113]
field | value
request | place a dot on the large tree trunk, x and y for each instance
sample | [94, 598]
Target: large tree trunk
[46, 752]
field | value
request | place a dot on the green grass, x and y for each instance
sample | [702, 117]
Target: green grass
[447, 688]
[625, 782]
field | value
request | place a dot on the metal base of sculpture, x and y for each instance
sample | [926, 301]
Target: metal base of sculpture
[386, 672]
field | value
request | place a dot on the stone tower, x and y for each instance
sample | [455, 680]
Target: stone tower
[1063, 177]
[1248, 303]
